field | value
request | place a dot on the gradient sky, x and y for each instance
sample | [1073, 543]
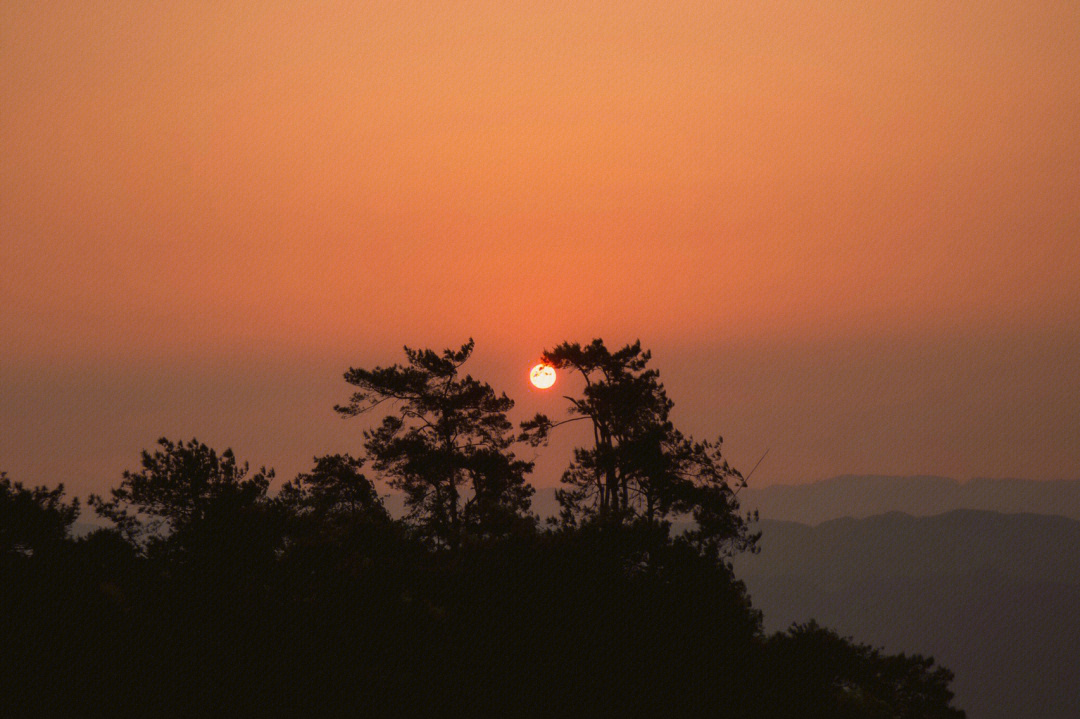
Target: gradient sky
[850, 232]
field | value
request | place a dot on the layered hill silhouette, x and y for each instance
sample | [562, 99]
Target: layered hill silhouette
[867, 495]
[857, 496]
[994, 596]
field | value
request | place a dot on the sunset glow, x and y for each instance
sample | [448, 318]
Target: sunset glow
[853, 216]
[531, 358]
[542, 376]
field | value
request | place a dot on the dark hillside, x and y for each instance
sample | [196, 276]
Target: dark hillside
[995, 597]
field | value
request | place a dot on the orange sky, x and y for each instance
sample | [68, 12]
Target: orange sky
[850, 232]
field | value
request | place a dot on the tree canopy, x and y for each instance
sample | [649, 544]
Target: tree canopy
[446, 443]
[214, 595]
[187, 498]
[33, 519]
[640, 468]
[334, 490]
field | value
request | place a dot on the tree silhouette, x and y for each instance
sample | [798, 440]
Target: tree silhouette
[640, 468]
[214, 597]
[334, 518]
[818, 673]
[33, 519]
[334, 490]
[446, 445]
[190, 499]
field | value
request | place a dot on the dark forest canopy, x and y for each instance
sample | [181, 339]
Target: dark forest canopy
[214, 595]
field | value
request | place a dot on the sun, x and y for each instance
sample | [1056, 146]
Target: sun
[542, 376]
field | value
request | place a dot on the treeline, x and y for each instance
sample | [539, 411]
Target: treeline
[211, 595]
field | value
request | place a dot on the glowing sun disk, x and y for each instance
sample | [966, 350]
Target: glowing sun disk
[542, 376]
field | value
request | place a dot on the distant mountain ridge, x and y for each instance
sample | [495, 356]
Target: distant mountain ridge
[850, 496]
[995, 597]
[1025, 547]
[868, 495]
